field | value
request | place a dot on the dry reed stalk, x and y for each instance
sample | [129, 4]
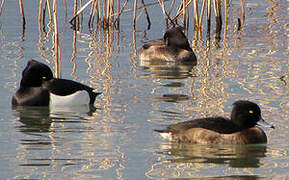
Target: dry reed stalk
[56, 40]
[201, 17]
[111, 39]
[43, 16]
[49, 9]
[134, 41]
[74, 14]
[80, 19]
[184, 12]
[217, 10]
[130, 10]
[208, 18]
[180, 9]
[22, 13]
[97, 11]
[81, 10]
[243, 12]
[2, 5]
[111, 9]
[118, 14]
[147, 14]
[40, 13]
[226, 4]
[122, 10]
[196, 14]
[134, 13]
[91, 14]
[46, 5]
[111, 18]
[108, 8]
[73, 54]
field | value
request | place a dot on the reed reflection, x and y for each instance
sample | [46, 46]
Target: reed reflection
[237, 156]
[50, 133]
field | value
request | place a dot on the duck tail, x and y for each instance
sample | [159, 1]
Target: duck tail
[166, 134]
[161, 130]
[97, 93]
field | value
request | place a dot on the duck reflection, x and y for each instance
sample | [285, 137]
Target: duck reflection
[33, 119]
[38, 119]
[78, 111]
[166, 69]
[172, 98]
[237, 156]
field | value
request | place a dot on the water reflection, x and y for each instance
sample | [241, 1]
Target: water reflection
[208, 161]
[33, 119]
[237, 156]
[72, 112]
[167, 70]
[39, 119]
[51, 136]
[172, 98]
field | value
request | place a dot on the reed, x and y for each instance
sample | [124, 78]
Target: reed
[75, 11]
[242, 12]
[22, 13]
[134, 13]
[40, 11]
[147, 14]
[208, 18]
[57, 54]
[105, 15]
[1, 7]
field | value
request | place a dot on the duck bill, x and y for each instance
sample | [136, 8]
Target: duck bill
[263, 123]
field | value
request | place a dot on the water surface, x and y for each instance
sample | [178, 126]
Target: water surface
[115, 140]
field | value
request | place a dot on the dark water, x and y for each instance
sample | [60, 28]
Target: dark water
[115, 140]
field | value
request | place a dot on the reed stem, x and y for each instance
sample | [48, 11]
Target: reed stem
[134, 13]
[22, 13]
[56, 40]
[147, 14]
[184, 12]
[2, 5]
[40, 12]
[208, 19]
[196, 14]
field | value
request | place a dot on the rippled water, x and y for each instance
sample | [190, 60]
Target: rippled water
[115, 140]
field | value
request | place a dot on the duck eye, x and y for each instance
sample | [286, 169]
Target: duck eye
[43, 77]
[251, 111]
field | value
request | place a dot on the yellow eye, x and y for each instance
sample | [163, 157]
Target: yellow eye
[251, 111]
[43, 77]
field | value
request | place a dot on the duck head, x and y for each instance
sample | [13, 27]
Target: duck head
[175, 37]
[247, 114]
[35, 73]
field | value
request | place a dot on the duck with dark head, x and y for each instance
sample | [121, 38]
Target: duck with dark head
[38, 87]
[241, 128]
[174, 46]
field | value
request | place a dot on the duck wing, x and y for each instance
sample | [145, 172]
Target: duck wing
[217, 124]
[64, 87]
[157, 42]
